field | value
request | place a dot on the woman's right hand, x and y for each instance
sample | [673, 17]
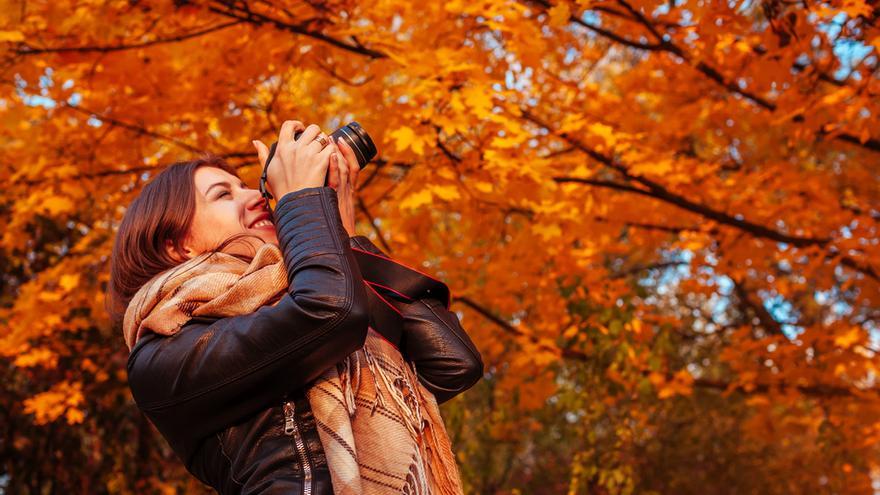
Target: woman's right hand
[296, 164]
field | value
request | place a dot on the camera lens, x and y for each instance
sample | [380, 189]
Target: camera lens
[359, 141]
[356, 138]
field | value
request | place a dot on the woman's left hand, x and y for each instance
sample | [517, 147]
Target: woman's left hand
[343, 179]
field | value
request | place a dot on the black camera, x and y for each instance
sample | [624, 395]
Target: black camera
[353, 134]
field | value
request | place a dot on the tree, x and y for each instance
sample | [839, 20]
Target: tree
[658, 219]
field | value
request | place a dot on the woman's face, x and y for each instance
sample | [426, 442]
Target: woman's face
[225, 206]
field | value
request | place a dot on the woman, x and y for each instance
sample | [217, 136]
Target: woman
[233, 351]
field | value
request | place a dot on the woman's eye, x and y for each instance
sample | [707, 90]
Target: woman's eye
[224, 193]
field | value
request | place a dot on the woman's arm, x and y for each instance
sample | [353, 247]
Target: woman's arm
[214, 373]
[447, 361]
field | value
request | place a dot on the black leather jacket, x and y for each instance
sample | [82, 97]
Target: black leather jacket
[229, 394]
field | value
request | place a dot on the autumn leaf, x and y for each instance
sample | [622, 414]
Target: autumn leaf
[848, 338]
[483, 186]
[61, 399]
[405, 137]
[417, 199]
[446, 193]
[69, 281]
[547, 232]
[56, 205]
[11, 36]
[605, 132]
[559, 14]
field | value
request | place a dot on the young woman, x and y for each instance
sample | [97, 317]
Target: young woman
[250, 344]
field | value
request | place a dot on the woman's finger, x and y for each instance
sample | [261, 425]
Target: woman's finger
[334, 172]
[288, 128]
[354, 170]
[353, 165]
[262, 151]
[344, 168]
[309, 134]
[347, 152]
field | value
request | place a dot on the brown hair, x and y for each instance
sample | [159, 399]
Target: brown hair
[164, 210]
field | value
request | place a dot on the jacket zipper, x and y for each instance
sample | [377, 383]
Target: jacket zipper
[290, 428]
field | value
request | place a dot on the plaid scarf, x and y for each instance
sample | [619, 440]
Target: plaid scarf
[380, 428]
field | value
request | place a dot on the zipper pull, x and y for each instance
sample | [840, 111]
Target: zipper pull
[289, 424]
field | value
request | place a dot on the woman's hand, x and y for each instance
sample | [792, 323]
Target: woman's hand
[296, 164]
[343, 179]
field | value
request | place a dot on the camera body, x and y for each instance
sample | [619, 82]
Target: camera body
[353, 134]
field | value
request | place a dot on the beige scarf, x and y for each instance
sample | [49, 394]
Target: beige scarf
[380, 428]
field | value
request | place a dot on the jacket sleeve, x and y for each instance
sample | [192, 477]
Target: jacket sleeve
[447, 361]
[215, 372]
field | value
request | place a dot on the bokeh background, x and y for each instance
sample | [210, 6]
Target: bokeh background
[658, 219]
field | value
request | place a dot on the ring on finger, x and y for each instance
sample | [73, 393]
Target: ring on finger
[323, 140]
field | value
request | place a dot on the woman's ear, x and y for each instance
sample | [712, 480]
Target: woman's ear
[176, 254]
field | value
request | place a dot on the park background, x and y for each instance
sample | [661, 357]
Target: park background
[658, 220]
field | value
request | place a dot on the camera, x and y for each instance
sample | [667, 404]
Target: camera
[353, 134]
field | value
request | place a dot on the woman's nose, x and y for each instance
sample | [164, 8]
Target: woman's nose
[256, 201]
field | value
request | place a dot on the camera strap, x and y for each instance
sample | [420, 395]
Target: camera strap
[264, 178]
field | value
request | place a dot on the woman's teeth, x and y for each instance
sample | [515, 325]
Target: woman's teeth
[262, 223]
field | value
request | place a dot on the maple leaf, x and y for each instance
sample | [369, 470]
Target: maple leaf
[405, 137]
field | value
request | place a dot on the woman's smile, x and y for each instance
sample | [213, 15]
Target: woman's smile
[263, 224]
[261, 221]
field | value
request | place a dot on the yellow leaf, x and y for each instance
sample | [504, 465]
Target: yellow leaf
[49, 296]
[846, 340]
[405, 137]
[855, 8]
[666, 392]
[446, 173]
[445, 192]
[483, 186]
[603, 131]
[58, 204]
[656, 378]
[74, 416]
[570, 331]
[69, 282]
[572, 122]
[59, 400]
[636, 326]
[836, 96]
[559, 14]
[415, 200]
[743, 47]
[36, 357]
[11, 36]
[479, 100]
[681, 384]
[547, 232]
[654, 167]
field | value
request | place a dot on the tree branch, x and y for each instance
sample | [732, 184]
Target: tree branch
[26, 50]
[872, 144]
[817, 390]
[657, 191]
[230, 9]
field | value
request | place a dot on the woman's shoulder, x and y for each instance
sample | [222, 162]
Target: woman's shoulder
[150, 339]
[155, 358]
